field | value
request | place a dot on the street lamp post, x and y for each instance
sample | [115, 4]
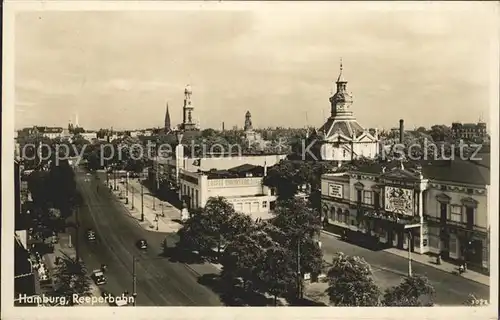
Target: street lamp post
[132, 198]
[299, 281]
[157, 220]
[409, 241]
[154, 208]
[126, 188]
[162, 213]
[114, 177]
[77, 228]
[134, 280]
[409, 253]
[142, 200]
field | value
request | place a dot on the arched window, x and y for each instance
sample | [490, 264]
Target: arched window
[325, 213]
[332, 213]
[340, 215]
[347, 216]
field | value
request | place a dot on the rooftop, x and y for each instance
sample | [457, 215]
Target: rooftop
[242, 171]
[458, 171]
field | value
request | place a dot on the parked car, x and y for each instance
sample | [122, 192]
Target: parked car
[98, 277]
[142, 244]
[91, 235]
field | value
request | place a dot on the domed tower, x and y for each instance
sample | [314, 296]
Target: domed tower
[344, 139]
[341, 101]
[188, 123]
[248, 122]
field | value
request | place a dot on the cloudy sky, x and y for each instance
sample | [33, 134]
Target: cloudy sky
[279, 61]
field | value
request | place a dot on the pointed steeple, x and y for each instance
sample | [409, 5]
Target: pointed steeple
[341, 79]
[167, 120]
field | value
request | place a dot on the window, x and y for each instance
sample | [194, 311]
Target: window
[264, 204]
[359, 196]
[376, 198]
[456, 213]
[469, 213]
[443, 210]
[443, 188]
[470, 191]
[367, 197]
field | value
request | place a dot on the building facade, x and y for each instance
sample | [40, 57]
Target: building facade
[469, 131]
[241, 186]
[424, 206]
[342, 137]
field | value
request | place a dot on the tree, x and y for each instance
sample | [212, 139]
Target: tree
[274, 273]
[62, 186]
[351, 283]
[295, 218]
[214, 226]
[240, 256]
[300, 224]
[440, 133]
[411, 292]
[71, 278]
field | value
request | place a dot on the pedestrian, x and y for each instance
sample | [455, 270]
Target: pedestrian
[461, 269]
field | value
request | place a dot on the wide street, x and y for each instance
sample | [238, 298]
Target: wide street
[160, 282]
[388, 270]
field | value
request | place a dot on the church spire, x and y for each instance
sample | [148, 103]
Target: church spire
[341, 79]
[167, 120]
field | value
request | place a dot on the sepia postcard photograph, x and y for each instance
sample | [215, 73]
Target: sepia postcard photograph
[214, 154]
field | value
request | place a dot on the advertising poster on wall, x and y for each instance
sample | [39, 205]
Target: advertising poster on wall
[399, 200]
[335, 190]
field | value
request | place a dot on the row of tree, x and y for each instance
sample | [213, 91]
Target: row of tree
[351, 283]
[273, 256]
[263, 256]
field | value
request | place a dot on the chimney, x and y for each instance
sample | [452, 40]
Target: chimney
[401, 130]
[222, 125]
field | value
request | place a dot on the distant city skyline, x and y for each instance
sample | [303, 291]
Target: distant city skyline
[119, 69]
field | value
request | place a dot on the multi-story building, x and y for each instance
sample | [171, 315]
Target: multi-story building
[26, 282]
[469, 131]
[242, 186]
[89, 135]
[51, 132]
[431, 206]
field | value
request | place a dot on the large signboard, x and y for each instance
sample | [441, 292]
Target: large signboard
[399, 200]
[335, 190]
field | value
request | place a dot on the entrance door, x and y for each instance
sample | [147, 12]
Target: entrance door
[476, 252]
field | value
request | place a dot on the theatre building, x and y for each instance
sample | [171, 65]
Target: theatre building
[433, 207]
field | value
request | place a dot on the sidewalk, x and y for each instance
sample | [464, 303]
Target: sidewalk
[164, 224]
[429, 261]
[61, 248]
[445, 266]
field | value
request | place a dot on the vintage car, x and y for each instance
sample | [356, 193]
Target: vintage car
[142, 244]
[91, 235]
[98, 277]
